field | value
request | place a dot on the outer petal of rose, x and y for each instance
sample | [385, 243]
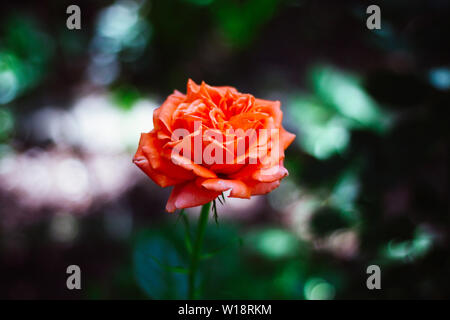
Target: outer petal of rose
[160, 179]
[148, 147]
[189, 195]
[264, 187]
[270, 174]
[191, 166]
[151, 148]
[238, 188]
[143, 163]
[260, 173]
[162, 117]
[286, 138]
[192, 90]
[281, 142]
[273, 108]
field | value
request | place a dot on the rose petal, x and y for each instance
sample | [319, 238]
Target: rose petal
[273, 108]
[189, 195]
[264, 187]
[286, 138]
[277, 172]
[160, 179]
[162, 117]
[238, 188]
[191, 166]
[150, 147]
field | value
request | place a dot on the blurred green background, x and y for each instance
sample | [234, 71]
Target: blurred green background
[368, 170]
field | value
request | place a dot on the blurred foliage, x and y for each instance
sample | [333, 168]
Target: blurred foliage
[126, 96]
[241, 21]
[339, 105]
[25, 52]
[268, 265]
[159, 268]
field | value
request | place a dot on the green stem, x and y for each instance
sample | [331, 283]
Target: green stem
[197, 248]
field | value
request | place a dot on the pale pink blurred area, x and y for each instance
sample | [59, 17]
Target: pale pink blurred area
[94, 124]
[85, 163]
[63, 180]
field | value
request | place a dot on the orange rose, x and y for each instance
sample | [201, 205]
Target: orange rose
[211, 140]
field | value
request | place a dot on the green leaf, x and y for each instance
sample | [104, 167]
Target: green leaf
[158, 267]
[225, 247]
[166, 267]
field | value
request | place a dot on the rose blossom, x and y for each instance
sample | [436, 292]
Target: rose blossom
[211, 140]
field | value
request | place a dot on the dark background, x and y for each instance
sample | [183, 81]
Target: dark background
[368, 170]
